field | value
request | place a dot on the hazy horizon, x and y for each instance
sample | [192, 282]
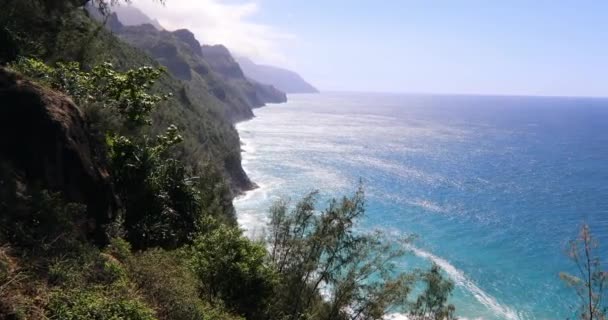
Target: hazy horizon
[474, 47]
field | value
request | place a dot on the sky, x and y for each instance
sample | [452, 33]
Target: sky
[552, 48]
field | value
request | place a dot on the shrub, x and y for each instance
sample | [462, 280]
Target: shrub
[64, 272]
[42, 221]
[432, 303]
[171, 287]
[234, 269]
[314, 250]
[95, 304]
[124, 92]
[591, 280]
[161, 198]
[120, 249]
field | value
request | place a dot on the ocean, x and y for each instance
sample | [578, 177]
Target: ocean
[493, 186]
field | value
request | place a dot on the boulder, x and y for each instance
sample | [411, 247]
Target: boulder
[45, 140]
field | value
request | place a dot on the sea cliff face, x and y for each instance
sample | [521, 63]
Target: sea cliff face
[209, 78]
[204, 107]
[209, 68]
[256, 93]
[45, 141]
[282, 79]
[181, 54]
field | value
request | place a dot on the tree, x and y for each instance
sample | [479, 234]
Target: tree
[591, 280]
[104, 6]
[328, 269]
[126, 93]
[234, 269]
[432, 302]
[161, 196]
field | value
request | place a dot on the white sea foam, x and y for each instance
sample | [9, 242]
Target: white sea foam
[460, 279]
[428, 205]
[399, 316]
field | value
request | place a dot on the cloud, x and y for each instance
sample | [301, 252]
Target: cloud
[218, 22]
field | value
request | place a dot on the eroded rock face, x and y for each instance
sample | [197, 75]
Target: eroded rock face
[188, 37]
[44, 139]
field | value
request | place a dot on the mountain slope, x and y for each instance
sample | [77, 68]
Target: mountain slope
[183, 59]
[284, 80]
[183, 56]
[222, 62]
[204, 121]
[132, 16]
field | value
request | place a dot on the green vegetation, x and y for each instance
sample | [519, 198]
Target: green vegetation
[433, 302]
[320, 251]
[591, 281]
[181, 54]
[28, 29]
[234, 270]
[125, 92]
[172, 249]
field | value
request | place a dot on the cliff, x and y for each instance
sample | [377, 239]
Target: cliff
[282, 79]
[45, 141]
[204, 109]
[223, 63]
[212, 72]
[132, 16]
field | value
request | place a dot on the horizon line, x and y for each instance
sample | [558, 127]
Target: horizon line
[321, 91]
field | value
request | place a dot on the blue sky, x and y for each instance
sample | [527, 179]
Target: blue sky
[486, 47]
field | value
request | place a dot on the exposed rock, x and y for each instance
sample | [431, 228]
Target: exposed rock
[222, 62]
[238, 178]
[188, 37]
[132, 16]
[269, 93]
[282, 79]
[113, 23]
[44, 139]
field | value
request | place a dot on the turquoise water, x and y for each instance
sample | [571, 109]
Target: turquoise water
[493, 186]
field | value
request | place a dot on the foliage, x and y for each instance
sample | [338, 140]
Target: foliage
[49, 29]
[43, 221]
[159, 193]
[13, 302]
[125, 92]
[215, 194]
[162, 197]
[591, 280]
[322, 251]
[169, 201]
[92, 304]
[232, 268]
[61, 6]
[432, 302]
[209, 137]
[120, 249]
[171, 287]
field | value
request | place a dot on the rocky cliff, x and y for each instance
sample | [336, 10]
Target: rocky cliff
[181, 54]
[205, 68]
[45, 142]
[282, 79]
[222, 62]
[132, 16]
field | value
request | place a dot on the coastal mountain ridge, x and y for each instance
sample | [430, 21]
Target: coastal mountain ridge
[182, 54]
[283, 79]
[268, 80]
[131, 16]
[222, 62]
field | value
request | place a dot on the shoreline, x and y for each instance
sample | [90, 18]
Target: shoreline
[251, 217]
[247, 220]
